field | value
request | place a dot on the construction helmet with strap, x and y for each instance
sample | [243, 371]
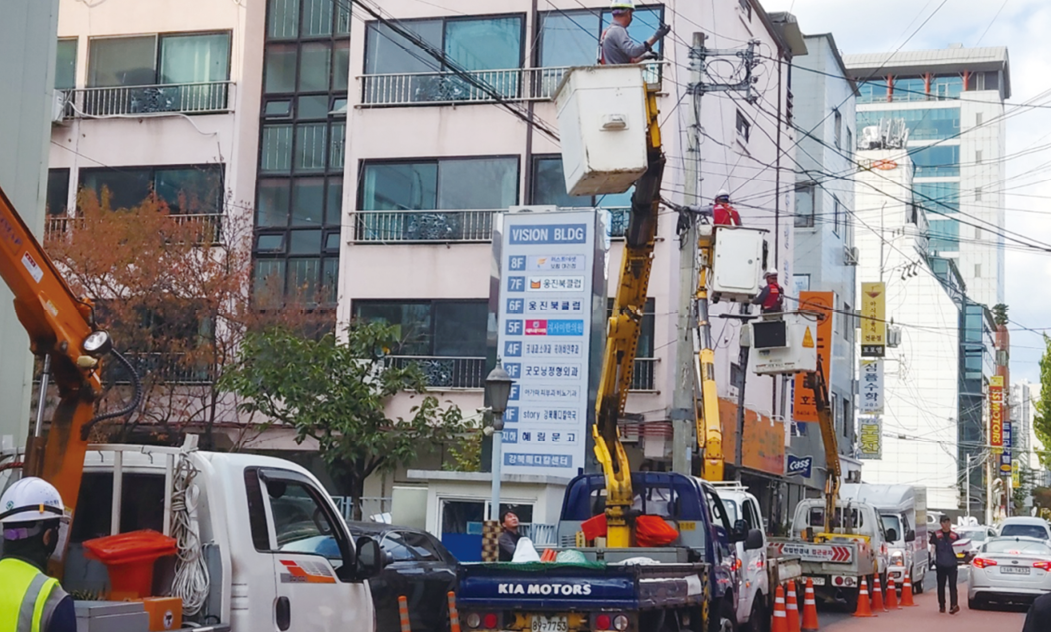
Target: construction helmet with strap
[27, 501]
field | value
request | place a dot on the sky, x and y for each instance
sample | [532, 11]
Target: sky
[1024, 26]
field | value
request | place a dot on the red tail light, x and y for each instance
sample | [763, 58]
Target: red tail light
[982, 562]
[1043, 566]
[489, 621]
[602, 622]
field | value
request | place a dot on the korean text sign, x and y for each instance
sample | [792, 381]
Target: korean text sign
[823, 303]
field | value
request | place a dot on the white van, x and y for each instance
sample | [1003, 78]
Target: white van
[903, 511]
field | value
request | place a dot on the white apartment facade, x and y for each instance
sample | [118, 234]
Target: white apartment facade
[824, 256]
[431, 159]
[952, 101]
[921, 375]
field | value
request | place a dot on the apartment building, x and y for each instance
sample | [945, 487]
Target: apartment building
[825, 256]
[952, 101]
[27, 36]
[431, 159]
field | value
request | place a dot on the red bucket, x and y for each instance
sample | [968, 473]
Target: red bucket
[129, 558]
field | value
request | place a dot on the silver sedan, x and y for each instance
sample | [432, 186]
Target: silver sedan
[1009, 570]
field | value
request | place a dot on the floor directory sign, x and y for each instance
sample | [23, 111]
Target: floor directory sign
[547, 301]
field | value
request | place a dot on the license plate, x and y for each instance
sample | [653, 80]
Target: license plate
[818, 581]
[1014, 570]
[549, 624]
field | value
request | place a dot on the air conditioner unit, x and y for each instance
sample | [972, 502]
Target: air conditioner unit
[58, 106]
[850, 255]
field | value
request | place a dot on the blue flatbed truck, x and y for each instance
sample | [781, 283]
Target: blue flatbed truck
[688, 585]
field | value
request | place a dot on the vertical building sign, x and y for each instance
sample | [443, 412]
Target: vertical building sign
[871, 387]
[873, 320]
[1005, 457]
[870, 438]
[546, 303]
[996, 415]
[822, 303]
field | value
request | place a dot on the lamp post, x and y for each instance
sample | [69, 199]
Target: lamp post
[497, 391]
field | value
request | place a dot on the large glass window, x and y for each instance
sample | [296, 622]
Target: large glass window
[939, 197]
[804, 217]
[432, 328]
[944, 235]
[66, 64]
[57, 191]
[872, 91]
[446, 184]
[936, 160]
[195, 58]
[925, 124]
[910, 89]
[195, 189]
[473, 43]
[569, 38]
[151, 59]
[947, 87]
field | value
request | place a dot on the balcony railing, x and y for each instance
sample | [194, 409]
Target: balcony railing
[423, 226]
[209, 226]
[169, 368]
[186, 98]
[441, 372]
[443, 88]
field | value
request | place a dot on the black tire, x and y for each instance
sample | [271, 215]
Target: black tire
[758, 618]
[726, 619]
[918, 587]
[975, 604]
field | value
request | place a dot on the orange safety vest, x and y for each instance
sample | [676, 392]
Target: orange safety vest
[773, 299]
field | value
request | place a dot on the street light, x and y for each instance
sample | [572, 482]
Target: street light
[497, 392]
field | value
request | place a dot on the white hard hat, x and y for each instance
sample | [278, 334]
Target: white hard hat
[771, 272]
[622, 5]
[30, 500]
[722, 193]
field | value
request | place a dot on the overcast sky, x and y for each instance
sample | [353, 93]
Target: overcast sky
[1024, 26]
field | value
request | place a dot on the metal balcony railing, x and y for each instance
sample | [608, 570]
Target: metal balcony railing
[642, 376]
[446, 88]
[442, 372]
[186, 98]
[423, 226]
[209, 226]
[169, 368]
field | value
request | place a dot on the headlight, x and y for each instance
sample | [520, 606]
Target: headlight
[897, 558]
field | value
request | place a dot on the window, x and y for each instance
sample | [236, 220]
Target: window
[193, 189]
[940, 197]
[848, 413]
[66, 64]
[849, 323]
[871, 92]
[850, 142]
[909, 89]
[394, 543]
[978, 156]
[744, 128]
[289, 19]
[447, 184]
[949, 87]
[158, 59]
[571, 38]
[978, 194]
[838, 127]
[804, 217]
[549, 187]
[925, 124]
[302, 521]
[936, 160]
[471, 43]
[944, 235]
[432, 328]
[837, 216]
[57, 191]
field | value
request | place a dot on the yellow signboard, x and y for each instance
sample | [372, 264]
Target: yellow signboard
[873, 319]
[1016, 475]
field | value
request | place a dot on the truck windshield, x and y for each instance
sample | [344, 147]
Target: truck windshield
[890, 521]
[816, 518]
[731, 510]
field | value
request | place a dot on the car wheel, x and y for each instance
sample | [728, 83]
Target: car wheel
[758, 621]
[918, 587]
[975, 604]
[727, 621]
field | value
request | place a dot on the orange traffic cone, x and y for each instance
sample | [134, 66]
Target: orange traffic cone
[792, 608]
[892, 595]
[877, 596]
[906, 592]
[864, 605]
[780, 623]
[809, 608]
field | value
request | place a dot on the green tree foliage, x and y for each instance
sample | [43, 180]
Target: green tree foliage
[1042, 419]
[1000, 314]
[336, 392]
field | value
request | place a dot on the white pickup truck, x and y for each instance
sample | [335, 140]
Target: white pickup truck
[277, 552]
[837, 561]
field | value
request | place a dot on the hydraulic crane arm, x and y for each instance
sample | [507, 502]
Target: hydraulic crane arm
[61, 326]
[709, 426]
[816, 382]
[622, 336]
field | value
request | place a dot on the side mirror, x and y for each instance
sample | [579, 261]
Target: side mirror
[371, 558]
[754, 540]
[892, 535]
[910, 536]
[739, 532]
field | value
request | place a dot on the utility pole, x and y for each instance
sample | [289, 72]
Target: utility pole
[683, 408]
[968, 470]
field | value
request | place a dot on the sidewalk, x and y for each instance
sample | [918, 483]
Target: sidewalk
[926, 618]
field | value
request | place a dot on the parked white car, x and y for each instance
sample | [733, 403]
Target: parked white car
[1009, 570]
[1024, 526]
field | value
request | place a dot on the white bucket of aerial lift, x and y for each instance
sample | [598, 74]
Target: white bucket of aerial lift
[602, 125]
[737, 263]
[784, 343]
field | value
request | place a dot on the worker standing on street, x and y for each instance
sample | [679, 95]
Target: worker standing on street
[616, 46]
[31, 512]
[723, 214]
[1039, 615]
[772, 297]
[945, 564]
[509, 537]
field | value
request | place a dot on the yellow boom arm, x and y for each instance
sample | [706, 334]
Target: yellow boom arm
[622, 337]
[709, 426]
[816, 382]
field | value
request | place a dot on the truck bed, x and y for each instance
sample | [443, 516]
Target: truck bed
[545, 587]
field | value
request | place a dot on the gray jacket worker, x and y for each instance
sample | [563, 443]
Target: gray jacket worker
[616, 46]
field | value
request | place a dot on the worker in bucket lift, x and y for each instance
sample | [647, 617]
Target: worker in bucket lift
[723, 214]
[31, 513]
[772, 297]
[616, 46]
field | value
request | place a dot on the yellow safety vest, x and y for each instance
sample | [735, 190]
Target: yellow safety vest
[25, 593]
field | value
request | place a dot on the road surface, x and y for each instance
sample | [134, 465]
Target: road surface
[926, 618]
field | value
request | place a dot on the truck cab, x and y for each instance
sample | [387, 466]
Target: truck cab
[277, 552]
[743, 511]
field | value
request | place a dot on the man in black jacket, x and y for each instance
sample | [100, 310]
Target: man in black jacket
[509, 537]
[1039, 617]
[945, 564]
